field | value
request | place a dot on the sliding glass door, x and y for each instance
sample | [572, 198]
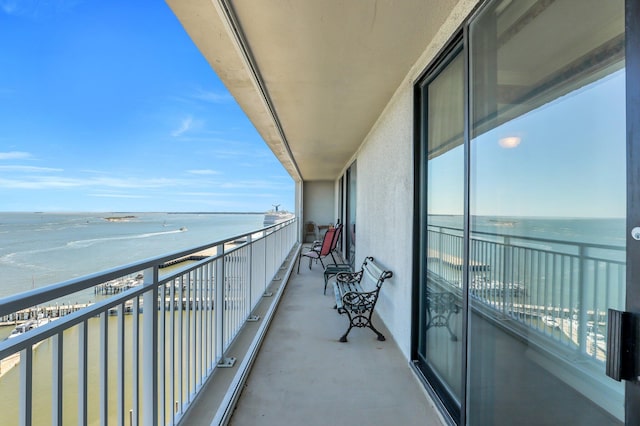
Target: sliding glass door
[440, 339]
[547, 211]
[525, 165]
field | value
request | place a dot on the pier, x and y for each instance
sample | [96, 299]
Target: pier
[192, 258]
[57, 311]
[119, 285]
[53, 311]
[456, 262]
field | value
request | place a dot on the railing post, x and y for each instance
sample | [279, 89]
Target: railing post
[219, 301]
[219, 309]
[104, 370]
[83, 337]
[150, 348]
[26, 386]
[56, 387]
[120, 381]
[582, 307]
[268, 262]
[506, 269]
[249, 269]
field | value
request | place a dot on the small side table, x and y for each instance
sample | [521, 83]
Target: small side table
[332, 270]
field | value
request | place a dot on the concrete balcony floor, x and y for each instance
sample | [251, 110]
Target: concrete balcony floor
[304, 376]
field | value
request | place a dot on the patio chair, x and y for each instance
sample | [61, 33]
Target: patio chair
[332, 270]
[311, 230]
[334, 244]
[319, 252]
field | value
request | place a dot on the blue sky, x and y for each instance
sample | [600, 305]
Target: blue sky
[109, 106]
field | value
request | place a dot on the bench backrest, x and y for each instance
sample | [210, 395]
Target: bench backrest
[374, 272]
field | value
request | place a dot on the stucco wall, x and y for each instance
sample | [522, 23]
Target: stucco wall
[319, 202]
[385, 212]
[385, 191]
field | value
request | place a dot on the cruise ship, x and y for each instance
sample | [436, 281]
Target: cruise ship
[275, 216]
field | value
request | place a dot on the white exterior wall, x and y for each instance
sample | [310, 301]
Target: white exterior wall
[384, 213]
[319, 202]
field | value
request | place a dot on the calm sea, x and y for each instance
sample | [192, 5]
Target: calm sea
[603, 231]
[38, 249]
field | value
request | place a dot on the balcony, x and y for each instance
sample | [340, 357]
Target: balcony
[236, 335]
[110, 362]
[304, 375]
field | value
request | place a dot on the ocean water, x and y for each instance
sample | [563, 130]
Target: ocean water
[38, 249]
[600, 231]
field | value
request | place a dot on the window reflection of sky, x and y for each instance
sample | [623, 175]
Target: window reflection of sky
[570, 161]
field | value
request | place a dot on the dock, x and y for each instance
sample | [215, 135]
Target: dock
[118, 285]
[52, 311]
[456, 262]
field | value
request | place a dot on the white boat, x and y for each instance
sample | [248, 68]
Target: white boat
[550, 321]
[29, 325]
[275, 216]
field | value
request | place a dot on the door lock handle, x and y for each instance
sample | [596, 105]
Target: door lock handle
[623, 348]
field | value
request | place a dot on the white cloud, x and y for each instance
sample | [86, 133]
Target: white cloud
[203, 172]
[128, 196]
[14, 155]
[29, 169]
[213, 97]
[185, 126]
[49, 182]
[252, 184]
[40, 183]
[204, 194]
[133, 183]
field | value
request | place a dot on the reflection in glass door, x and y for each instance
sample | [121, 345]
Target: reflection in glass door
[548, 210]
[350, 223]
[440, 340]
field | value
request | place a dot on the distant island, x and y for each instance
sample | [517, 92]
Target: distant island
[215, 213]
[119, 218]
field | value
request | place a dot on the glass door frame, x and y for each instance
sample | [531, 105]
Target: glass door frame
[447, 405]
[351, 187]
[632, 58]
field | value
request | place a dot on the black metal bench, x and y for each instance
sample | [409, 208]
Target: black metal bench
[354, 297]
[440, 307]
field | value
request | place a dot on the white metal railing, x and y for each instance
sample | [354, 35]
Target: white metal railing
[561, 289]
[140, 356]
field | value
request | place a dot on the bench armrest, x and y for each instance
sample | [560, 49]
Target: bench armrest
[359, 301]
[349, 277]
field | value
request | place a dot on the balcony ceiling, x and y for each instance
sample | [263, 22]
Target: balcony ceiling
[313, 76]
